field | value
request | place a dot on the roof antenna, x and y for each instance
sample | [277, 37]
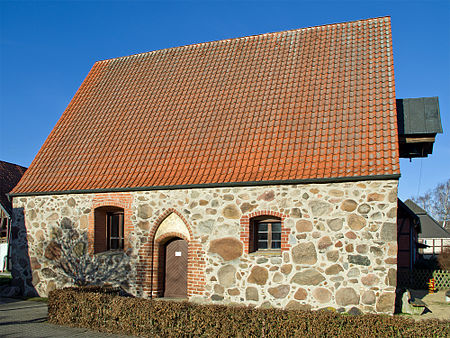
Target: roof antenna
[420, 177]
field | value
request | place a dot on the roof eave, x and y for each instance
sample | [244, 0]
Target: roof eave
[214, 185]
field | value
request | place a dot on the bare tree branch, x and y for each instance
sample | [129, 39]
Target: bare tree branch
[437, 203]
[68, 253]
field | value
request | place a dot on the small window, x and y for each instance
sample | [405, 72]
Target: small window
[265, 234]
[114, 235]
[109, 229]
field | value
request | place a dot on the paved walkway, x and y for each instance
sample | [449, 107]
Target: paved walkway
[21, 318]
[438, 308]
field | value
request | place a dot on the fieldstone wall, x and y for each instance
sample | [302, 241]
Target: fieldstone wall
[340, 250]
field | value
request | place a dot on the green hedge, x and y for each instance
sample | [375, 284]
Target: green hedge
[155, 318]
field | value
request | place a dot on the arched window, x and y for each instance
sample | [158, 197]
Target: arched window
[109, 229]
[265, 234]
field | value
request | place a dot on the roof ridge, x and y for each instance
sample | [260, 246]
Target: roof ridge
[18, 165]
[420, 211]
[244, 37]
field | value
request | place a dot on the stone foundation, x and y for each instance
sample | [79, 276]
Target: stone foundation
[339, 244]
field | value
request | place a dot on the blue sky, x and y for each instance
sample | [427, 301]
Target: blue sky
[48, 47]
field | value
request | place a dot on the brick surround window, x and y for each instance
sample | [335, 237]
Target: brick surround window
[108, 229]
[249, 232]
[265, 234]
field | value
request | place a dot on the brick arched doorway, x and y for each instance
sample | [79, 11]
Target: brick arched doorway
[175, 268]
[151, 269]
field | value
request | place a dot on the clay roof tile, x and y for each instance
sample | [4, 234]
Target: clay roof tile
[315, 102]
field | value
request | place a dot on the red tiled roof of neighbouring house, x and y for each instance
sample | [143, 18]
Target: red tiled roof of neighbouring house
[10, 175]
[311, 103]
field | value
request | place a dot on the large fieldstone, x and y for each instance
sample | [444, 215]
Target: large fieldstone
[84, 221]
[34, 263]
[303, 226]
[376, 251]
[205, 227]
[320, 208]
[51, 285]
[324, 242]
[32, 214]
[356, 222]
[388, 232]
[386, 302]
[277, 277]
[227, 275]
[216, 298]
[267, 196]
[375, 197]
[228, 248]
[362, 248]
[333, 255]
[392, 212]
[247, 207]
[234, 292]
[258, 275]
[364, 209]
[286, 269]
[251, 293]
[346, 296]
[335, 224]
[354, 311]
[280, 291]
[48, 273]
[231, 211]
[350, 235]
[391, 278]
[39, 235]
[322, 295]
[71, 202]
[219, 289]
[349, 248]
[293, 305]
[308, 277]
[349, 205]
[145, 211]
[144, 226]
[300, 294]
[336, 193]
[36, 279]
[53, 251]
[353, 272]
[304, 253]
[295, 212]
[368, 297]
[392, 196]
[359, 260]
[66, 223]
[369, 279]
[334, 269]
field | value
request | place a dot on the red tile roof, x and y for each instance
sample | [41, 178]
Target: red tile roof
[10, 175]
[310, 103]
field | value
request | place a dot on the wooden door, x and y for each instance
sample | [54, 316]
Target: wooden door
[176, 262]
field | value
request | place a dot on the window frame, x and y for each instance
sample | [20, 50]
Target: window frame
[255, 232]
[120, 231]
[102, 229]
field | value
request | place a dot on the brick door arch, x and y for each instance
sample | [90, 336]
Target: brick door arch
[151, 254]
